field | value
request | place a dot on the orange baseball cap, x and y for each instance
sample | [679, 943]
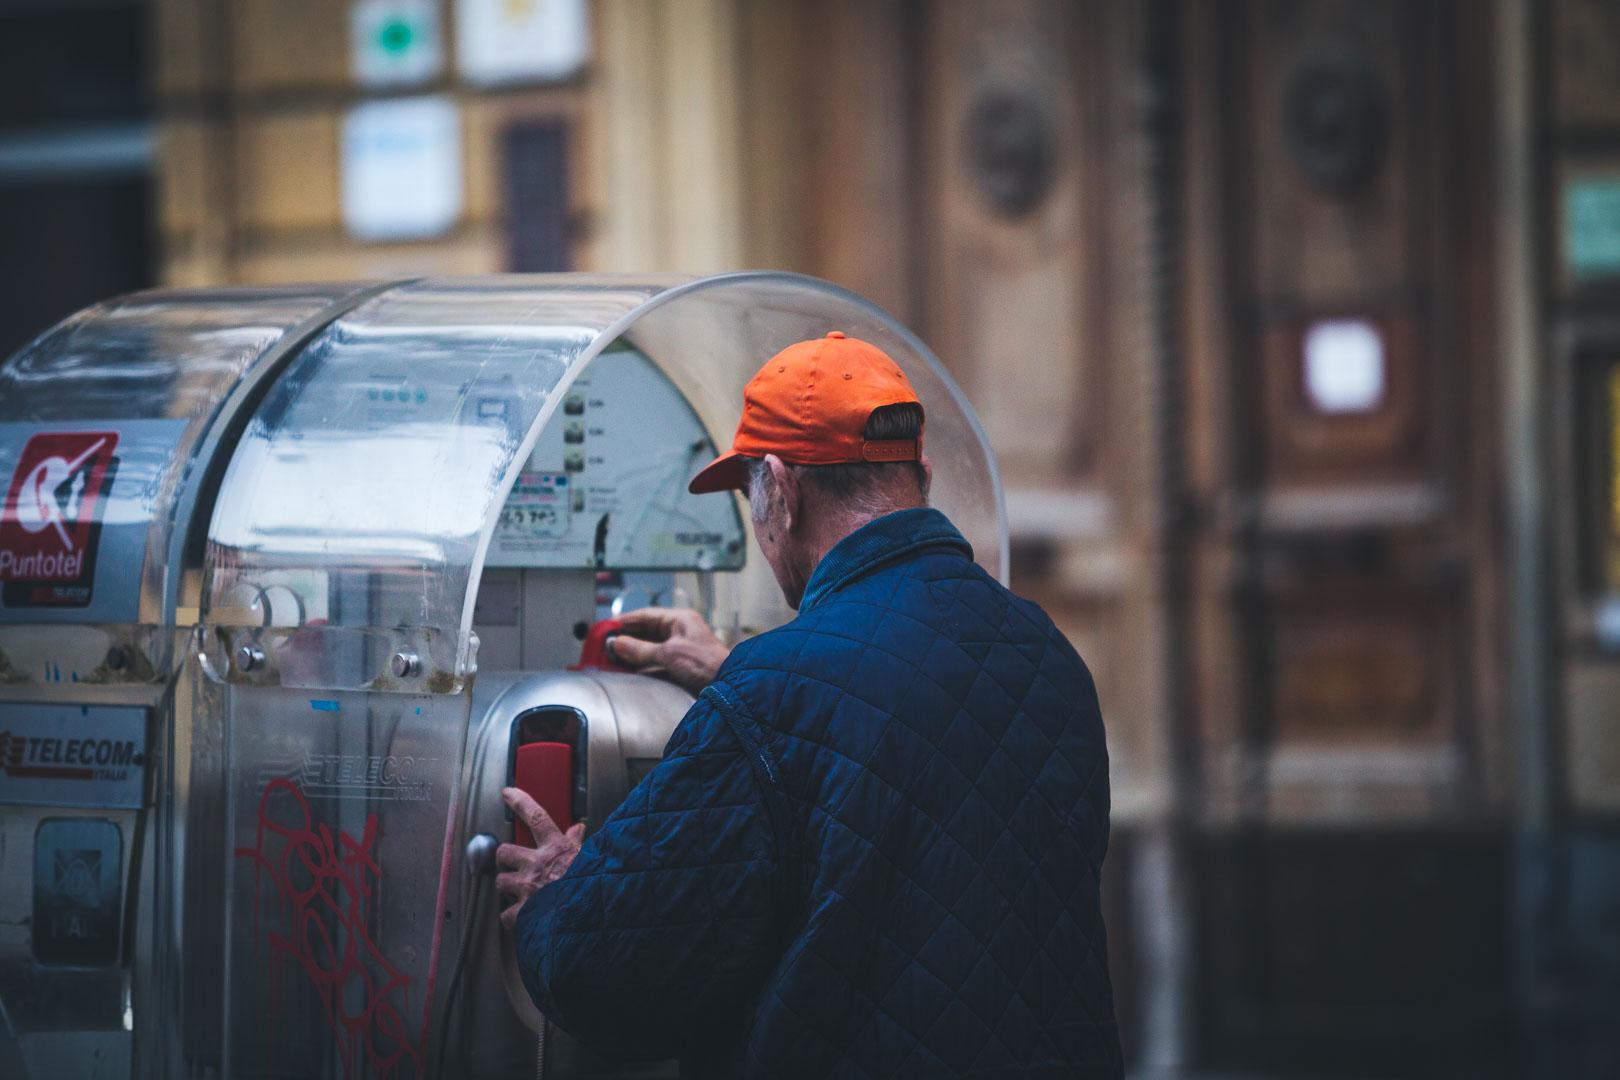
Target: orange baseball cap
[809, 405]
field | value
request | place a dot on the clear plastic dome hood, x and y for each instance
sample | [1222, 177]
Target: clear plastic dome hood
[393, 439]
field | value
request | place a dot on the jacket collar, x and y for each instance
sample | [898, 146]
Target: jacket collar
[878, 543]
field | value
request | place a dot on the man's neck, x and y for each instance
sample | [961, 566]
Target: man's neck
[832, 528]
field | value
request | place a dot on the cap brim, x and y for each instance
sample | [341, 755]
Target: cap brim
[728, 472]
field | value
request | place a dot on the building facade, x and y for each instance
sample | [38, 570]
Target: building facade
[1295, 323]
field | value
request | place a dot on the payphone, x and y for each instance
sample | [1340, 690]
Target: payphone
[293, 581]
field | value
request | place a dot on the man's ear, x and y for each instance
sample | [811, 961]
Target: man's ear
[786, 483]
[928, 475]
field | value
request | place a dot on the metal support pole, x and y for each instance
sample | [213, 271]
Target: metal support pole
[1161, 890]
[1533, 641]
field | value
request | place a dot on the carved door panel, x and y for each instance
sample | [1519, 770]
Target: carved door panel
[1004, 258]
[1027, 257]
[1348, 406]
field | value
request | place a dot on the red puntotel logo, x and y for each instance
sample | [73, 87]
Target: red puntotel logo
[48, 526]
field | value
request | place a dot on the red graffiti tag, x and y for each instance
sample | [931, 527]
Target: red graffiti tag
[324, 886]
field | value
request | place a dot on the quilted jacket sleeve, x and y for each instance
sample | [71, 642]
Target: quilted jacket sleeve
[664, 927]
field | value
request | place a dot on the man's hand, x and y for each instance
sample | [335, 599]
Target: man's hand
[528, 870]
[673, 643]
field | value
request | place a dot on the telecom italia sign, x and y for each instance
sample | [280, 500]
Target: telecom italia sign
[72, 755]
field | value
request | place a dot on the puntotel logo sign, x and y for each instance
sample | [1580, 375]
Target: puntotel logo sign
[50, 522]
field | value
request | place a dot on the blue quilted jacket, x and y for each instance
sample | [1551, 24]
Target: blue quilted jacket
[871, 849]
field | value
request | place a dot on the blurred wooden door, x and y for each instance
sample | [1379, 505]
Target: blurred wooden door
[1338, 267]
[1346, 611]
[1027, 279]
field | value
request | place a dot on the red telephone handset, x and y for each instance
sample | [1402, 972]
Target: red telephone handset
[546, 771]
[594, 654]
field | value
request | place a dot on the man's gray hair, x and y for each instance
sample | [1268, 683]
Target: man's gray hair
[863, 488]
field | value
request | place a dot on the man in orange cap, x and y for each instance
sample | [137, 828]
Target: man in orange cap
[830, 439]
[872, 847]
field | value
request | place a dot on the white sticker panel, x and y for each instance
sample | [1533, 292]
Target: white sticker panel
[510, 41]
[402, 168]
[72, 755]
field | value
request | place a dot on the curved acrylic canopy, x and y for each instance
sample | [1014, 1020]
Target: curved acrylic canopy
[379, 462]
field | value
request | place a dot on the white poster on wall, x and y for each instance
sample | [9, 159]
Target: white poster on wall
[395, 42]
[509, 41]
[402, 168]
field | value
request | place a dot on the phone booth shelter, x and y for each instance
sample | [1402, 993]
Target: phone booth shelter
[289, 577]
